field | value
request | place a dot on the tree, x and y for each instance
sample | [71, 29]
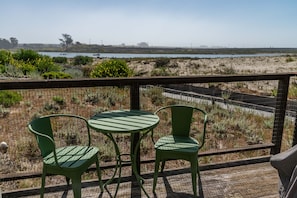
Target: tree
[5, 44]
[66, 41]
[142, 44]
[14, 42]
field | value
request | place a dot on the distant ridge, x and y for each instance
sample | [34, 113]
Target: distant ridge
[153, 50]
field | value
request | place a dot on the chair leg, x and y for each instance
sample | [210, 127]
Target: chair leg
[42, 183]
[99, 175]
[157, 165]
[76, 187]
[163, 165]
[194, 170]
[67, 181]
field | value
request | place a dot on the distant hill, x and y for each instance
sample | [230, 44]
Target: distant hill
[152, 50]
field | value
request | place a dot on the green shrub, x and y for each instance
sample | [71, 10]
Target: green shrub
[92, 99]
[46, 64]
[2, 68]
[74, 72]
[13, 71]
[56, 75]
[59, 100]
[111, 68]
[5, 57]
[9, 98]
[25, 67]
[162, 62]
[26, 55]
[162, 71]
[289, 59]
[228, 70]
[156, 95]
[59, 59]
[82, 60]
[52, 108]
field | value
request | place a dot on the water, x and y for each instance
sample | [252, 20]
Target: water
[124, 55]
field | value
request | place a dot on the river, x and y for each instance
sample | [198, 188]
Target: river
[124, 55]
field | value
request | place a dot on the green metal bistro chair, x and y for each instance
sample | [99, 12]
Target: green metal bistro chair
[179, 144]
[70, 161]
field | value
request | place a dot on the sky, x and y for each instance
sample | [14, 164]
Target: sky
[172, 23]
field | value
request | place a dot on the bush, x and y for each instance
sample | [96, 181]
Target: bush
[162, 62]
[61, 60]
[26, 55]
[59, 100]
[25, 67]
[111, 68]
[82, 60]
[56, 75]
[162, 71]
[87, 71]
[74, 72]
[2, 69]
[9, 98]
[289, 59]
[5, 57]
[46, 64]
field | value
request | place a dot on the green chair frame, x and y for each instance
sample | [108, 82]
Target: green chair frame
[179, 145]
[69, 161]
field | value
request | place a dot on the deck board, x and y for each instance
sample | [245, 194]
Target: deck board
[249, 181]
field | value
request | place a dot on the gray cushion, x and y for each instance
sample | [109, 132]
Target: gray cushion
[285, 163]
[292, 187]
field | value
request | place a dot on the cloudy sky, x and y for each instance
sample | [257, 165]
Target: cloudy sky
[174, 23]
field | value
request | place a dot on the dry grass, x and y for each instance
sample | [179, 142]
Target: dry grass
[227, 128]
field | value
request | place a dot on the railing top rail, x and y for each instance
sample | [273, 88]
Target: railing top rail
[92, 82]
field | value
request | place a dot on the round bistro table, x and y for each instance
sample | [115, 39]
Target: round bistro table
[125, 122]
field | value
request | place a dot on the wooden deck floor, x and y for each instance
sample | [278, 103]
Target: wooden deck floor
[249, 181]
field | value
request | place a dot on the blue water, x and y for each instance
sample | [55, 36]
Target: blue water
[121, 55]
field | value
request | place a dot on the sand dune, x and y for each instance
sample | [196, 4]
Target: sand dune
[213, 66]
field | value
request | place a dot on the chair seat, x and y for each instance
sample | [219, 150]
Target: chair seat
[71, 157]
[177, 144]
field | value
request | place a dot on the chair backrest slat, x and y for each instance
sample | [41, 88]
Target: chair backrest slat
[181, 120]
[43, 126]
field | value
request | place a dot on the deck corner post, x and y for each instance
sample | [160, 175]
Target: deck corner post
[280, 113]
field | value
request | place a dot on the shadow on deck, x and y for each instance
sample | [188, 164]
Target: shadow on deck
[248, 181]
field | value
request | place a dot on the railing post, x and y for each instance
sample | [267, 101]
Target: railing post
[294, 142]
[135, 105]
[280, 113]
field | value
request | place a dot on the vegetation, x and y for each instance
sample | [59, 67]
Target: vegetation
[66, 41]
[82, 60]
[162, 62]
[28, 62]
[8, 44]
[56, 75]
[26, 55]
[9, 98]
[111, 68]
[227, 127]
[5, 57]
[289, 59]
[61, 60]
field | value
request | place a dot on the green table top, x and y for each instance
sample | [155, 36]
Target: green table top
[123, 121]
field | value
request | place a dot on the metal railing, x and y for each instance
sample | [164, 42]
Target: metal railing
[136, 82]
